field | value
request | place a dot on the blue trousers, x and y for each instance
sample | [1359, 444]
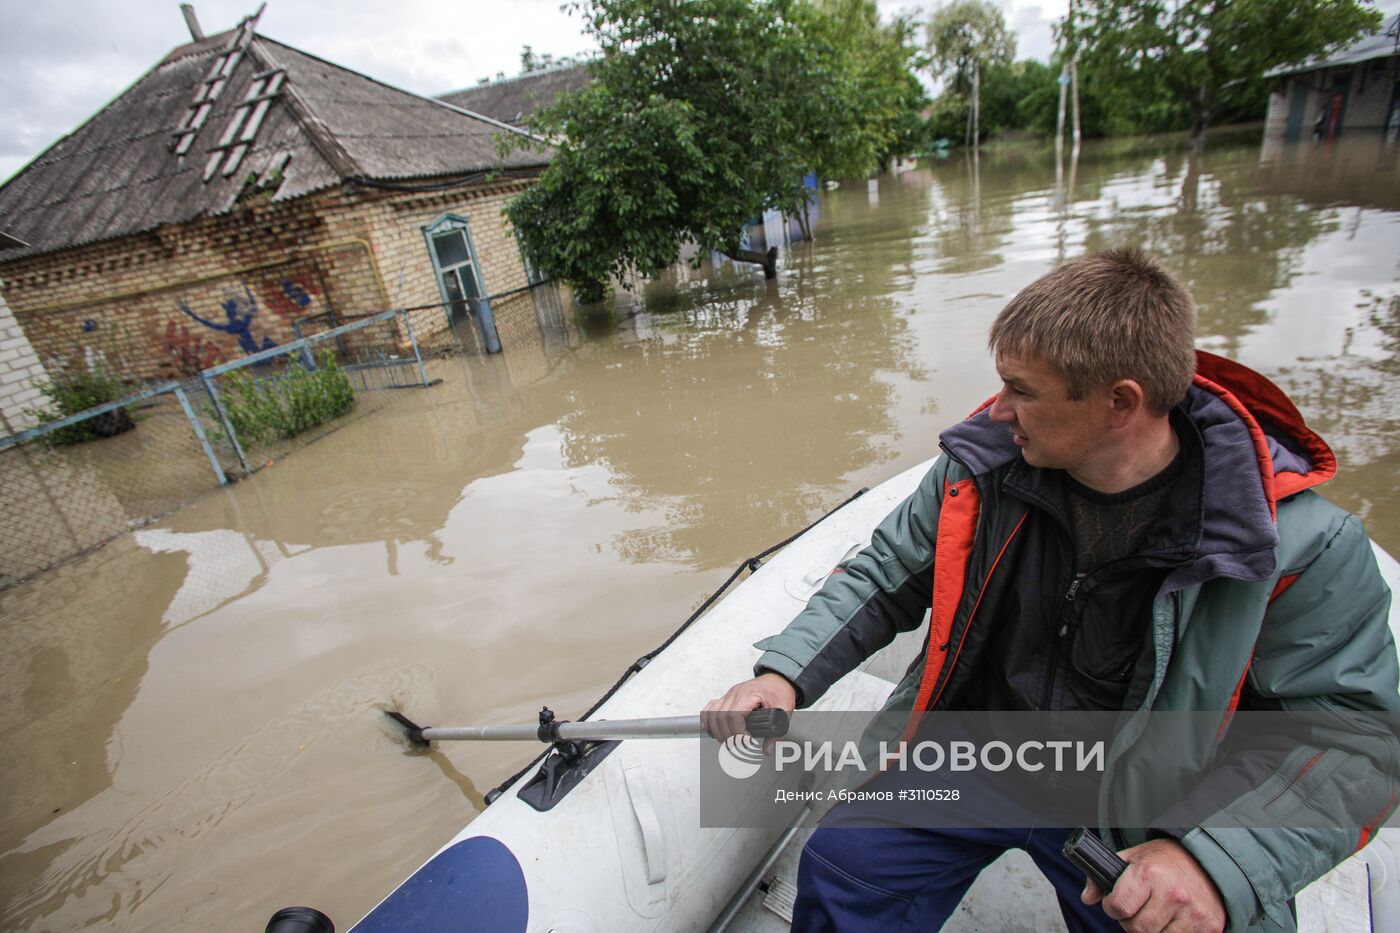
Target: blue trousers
[890, 879]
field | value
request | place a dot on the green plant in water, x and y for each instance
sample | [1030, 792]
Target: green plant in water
[76, 391]
[283, 406]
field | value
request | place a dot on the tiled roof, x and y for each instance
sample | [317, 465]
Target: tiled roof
[512, 100]
[119, 173]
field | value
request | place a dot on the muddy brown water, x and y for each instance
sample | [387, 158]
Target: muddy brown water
[190, 714]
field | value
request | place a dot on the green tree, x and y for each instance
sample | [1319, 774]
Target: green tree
[1207, 55]
[880, 59]
[701, 116]
[1018, 96]
[964, 38]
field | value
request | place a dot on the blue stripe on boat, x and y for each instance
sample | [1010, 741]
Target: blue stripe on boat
[475, 885]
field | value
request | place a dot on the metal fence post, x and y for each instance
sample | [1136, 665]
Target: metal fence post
[224, 420]
[199, 433]
[489, 336]
[408, 326]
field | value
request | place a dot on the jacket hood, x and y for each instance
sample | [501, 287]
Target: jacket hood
[1257, 450]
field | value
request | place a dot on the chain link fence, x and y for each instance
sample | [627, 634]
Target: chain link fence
[266, 405]
[69, 486]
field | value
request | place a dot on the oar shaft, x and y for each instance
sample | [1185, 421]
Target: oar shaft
[763, 723]
[662, 727]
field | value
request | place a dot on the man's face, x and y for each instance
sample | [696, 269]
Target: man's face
[1052, 430]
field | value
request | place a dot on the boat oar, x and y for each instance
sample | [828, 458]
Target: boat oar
[761, 723]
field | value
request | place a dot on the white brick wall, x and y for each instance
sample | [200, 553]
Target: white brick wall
[20, 374]
[1372, 84]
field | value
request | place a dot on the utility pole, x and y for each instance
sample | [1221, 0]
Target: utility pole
[1073, 77]
[976, 103]
[1060, 119]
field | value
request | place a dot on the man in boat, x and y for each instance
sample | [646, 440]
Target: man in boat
[1126, 525]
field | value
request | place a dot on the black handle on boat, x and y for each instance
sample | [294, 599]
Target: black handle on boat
[299, 920]
[761, 723]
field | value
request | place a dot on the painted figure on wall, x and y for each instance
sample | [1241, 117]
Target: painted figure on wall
[240, 311]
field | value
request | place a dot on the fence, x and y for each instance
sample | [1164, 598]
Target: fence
[59, 496]
[71, 485]
[269, 403]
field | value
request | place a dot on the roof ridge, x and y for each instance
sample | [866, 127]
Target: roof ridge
[196, 47]
[537, 73]
[305, 116]
[393, 87]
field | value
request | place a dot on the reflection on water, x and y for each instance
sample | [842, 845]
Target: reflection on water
[193, 711]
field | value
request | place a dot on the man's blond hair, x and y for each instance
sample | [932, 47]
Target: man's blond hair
[1104, 317]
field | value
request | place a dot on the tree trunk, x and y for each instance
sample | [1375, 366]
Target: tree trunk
[768, 260]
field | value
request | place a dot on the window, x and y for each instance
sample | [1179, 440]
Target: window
[454, 259]
[533, 274]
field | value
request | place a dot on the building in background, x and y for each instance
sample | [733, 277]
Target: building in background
[240, 186]
[513, 100]
[1355, 88]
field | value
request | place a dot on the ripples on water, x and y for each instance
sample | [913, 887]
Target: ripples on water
[192, 712]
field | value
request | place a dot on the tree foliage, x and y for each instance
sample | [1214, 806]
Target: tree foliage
[879, 59]
[1201, 56]
[964, 35]
[532, 61]
[702, 115]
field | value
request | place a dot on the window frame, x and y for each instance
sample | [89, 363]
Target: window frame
[447, 223]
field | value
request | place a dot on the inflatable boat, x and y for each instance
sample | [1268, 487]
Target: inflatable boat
[613, 839]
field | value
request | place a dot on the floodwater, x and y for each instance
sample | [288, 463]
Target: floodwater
[191, 714]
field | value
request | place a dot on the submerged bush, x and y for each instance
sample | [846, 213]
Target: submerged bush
[76, 391]
[283, 406]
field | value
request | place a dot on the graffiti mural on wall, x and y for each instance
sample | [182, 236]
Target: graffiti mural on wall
[192, 352]
[240, 310]
[289, 296]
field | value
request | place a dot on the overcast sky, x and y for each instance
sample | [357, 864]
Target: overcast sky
[60, 62]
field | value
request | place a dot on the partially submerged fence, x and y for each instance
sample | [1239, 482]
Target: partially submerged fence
[71, 485]
[268, 403]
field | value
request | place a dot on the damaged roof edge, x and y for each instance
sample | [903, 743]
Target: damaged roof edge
[100, 110]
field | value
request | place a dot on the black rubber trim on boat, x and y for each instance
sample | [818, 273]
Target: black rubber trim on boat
[751, 565]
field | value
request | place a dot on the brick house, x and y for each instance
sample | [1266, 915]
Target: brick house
[241, 185]
[1355, 88]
